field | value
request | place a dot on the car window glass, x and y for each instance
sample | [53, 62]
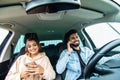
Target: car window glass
[116, 26]
[3, 34]
[102, 33]
[20, 43]
[117, 1]
[48, 42]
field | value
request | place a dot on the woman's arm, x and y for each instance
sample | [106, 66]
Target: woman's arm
[13, 73]
[49, 73]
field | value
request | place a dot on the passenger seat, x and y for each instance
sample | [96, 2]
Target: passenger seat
[51, 52]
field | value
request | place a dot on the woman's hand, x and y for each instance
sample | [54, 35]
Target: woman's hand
[24, 74]
[33, 68]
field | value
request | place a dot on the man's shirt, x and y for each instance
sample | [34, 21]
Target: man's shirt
[71, 62]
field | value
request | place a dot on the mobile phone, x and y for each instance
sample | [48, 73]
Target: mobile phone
[28, 64]
[71, 45]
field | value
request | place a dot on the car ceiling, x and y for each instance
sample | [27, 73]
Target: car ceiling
[13, 12]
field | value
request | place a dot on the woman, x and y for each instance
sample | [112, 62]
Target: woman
[33, 65]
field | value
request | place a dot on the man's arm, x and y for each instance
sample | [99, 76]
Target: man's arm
[62, 62]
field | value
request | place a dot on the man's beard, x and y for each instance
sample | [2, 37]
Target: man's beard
[75, 45]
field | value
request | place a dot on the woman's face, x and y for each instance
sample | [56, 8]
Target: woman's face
[32, 47]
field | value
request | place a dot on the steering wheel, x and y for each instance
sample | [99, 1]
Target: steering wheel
[90, 67]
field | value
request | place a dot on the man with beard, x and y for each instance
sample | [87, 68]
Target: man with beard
[74, 58]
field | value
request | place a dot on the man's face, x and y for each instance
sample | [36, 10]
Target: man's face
[74, 39]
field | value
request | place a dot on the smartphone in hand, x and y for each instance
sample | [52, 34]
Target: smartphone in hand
[71, 45]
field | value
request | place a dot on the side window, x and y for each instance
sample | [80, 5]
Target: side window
[5, 38]
[102, 33]
[3, 34]
[19, 45]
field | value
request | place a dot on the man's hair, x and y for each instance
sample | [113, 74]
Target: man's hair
[67, 35]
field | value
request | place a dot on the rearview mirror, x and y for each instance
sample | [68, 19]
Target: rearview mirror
[51, 6]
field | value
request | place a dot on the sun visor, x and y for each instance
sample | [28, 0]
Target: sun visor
[12, 12]
[51, 6]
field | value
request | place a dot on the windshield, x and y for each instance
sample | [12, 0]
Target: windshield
[117, 1]
[103, 33]
[115, 26]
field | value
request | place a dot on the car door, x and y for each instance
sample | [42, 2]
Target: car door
[5, 53]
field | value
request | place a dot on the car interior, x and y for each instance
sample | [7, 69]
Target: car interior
[51, 19]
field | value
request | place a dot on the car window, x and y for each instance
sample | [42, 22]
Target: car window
[102, 33]
[3, 34]
[117, 1]
[5, 39]
[49, 42]
[116, 26]
[20, 43]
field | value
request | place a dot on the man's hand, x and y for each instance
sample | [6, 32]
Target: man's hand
[69, 47]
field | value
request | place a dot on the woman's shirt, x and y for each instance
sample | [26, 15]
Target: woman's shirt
[20, 65]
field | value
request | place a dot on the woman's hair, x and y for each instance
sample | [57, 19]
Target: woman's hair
[67, 35]
[33, 36]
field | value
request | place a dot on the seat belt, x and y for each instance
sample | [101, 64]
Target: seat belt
[12, 56]
[82, 65]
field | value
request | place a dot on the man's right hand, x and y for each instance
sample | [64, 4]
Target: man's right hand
[69, 47]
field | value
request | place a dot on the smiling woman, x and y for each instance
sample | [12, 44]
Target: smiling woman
[34, 64]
